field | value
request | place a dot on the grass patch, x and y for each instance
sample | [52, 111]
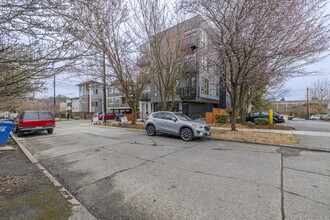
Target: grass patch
[269, 138]
[47, 203]
[254, 126]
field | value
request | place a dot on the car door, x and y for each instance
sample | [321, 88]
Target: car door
[171, 126]
[255, 115]
[158, 121]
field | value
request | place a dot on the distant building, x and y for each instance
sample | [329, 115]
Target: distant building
[298, 107]
[75, 105]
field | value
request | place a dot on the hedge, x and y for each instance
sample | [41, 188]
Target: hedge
[238, 121]
[222, 118]
[261, 121]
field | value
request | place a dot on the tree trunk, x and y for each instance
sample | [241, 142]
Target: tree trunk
[242, 114]
[233, 118]
[134, 116]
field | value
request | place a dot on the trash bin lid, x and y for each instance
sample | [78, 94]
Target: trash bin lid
[6, 123]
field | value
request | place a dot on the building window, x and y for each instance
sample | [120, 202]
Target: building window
[92, 104]
[110, 90]
[204, 39]
[205, 86]
[96, 104]
[96, 91]
[217, 90]
[110, 101]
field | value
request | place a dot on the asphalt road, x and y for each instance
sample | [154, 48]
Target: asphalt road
[309, 125]
[125, 174]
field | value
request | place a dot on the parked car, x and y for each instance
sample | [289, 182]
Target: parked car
[34, 121]
[109, 116]
[315, 117]
[277, 118]
[176, 123]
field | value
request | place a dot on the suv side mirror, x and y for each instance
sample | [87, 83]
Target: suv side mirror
[174, 119]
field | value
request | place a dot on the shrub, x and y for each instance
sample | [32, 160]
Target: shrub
[261, 121]
[238, 121]
[222, 118]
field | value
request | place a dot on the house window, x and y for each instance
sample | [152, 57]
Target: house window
[93, 104]
[111, 101]
[96, 91]
[205, 86]
[96, 103]
[110, 90]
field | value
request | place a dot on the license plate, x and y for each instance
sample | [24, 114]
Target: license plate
[39, 128]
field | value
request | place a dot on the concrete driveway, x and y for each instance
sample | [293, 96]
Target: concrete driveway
[124, 174]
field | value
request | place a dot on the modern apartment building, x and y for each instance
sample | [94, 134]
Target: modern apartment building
[116, 101]
[200, 90]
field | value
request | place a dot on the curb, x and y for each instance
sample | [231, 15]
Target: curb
[79, 212]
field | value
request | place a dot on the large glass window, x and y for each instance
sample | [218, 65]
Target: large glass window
[45, 115]
[205, 86]
[30, 115]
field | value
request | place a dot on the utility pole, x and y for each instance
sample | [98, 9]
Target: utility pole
[104, 91]
[54, 94]
[307, 105]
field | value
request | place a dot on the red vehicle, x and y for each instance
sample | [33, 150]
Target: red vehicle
[34, 121]
[109, 116]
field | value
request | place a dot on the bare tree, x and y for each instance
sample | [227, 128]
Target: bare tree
[101, 26]
[163, 47]
[258, 41]
[320, 93]
[33, 46]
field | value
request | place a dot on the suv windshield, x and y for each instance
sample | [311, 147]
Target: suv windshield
[183, 117]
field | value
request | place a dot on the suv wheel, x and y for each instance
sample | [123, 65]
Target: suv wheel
[186, 134]
[151, 130]
[50, 131]
[20, 133]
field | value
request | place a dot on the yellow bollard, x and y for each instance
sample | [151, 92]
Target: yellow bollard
[270, 117]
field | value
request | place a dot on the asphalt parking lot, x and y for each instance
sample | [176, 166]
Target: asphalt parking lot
[119, 173]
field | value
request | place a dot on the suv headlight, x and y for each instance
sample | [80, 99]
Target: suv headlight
[197, 125]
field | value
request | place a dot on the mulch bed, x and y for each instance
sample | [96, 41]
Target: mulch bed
[254, 126]
[269, 138]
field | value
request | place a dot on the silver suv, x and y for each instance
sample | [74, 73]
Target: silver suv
[177, 124]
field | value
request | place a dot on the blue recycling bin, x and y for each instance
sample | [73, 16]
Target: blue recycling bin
[5, 128]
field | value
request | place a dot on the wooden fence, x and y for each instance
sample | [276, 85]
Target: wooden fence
[210, 116]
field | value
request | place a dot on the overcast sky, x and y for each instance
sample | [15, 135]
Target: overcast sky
[66, 85]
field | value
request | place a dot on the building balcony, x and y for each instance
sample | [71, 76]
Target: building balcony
[188, 93]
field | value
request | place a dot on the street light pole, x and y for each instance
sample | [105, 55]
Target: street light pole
[307, 106]
[104, 91]
[54, 94]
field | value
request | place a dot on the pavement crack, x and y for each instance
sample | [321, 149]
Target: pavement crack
[112, 175]
[305, 197]
[306, 171]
